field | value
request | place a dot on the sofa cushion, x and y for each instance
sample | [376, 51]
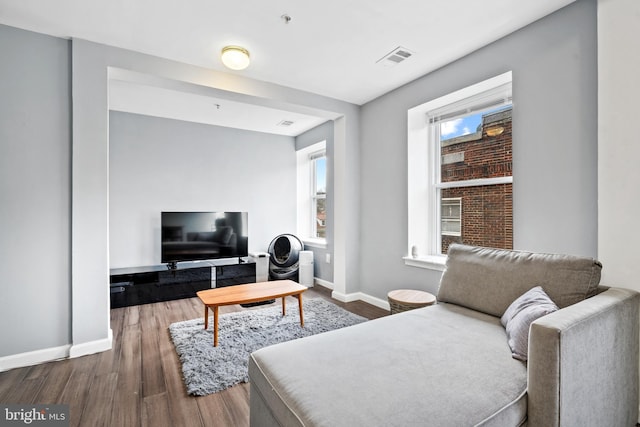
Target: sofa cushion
[433, 366]
[530, 306]
[489, 280]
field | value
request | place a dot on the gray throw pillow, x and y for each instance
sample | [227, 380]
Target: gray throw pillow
[530, 306]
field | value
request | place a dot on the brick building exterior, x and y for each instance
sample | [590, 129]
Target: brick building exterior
[479, 215]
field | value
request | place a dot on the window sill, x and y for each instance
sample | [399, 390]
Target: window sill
[430, 262]
[315, 243]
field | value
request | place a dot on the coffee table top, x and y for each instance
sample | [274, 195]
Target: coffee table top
[251, 292]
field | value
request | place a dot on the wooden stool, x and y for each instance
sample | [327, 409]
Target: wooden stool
[408, 299]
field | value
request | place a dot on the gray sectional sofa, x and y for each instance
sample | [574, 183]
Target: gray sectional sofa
[462, 361]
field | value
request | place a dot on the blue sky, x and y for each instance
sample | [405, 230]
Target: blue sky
[321, 175]
[465, 125]
[461, 126]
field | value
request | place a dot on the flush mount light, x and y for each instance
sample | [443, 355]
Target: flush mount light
[235, 57]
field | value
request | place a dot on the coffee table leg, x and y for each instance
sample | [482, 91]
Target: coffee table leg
[206, 317]
[284, 310]
[215, 325]
[300, 308]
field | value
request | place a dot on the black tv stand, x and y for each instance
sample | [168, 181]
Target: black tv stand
[149, 284]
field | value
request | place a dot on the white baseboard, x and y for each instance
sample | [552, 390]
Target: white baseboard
[323, 283]
[36, 357]
[356, 296]
[92, 347]
[380, 303]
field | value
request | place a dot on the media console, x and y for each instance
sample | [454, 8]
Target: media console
[144, 285]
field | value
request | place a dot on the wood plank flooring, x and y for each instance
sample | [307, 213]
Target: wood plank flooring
[139, 382]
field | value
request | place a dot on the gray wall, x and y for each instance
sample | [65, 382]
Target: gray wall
[159, 165]
[91, 65]
[618, 172]
[554, 146]
[322, 269]
[35, 195]
[554, 65]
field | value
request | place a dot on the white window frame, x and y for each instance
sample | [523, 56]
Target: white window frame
[306, 193]
[424, 166]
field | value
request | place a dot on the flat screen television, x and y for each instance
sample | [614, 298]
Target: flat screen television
[193, 236]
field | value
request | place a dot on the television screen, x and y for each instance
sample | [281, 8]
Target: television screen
[191, 236]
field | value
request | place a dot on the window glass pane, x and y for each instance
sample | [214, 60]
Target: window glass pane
[451, 227]
[320, 194]
[321, 218]
[450, 213]
[321, 175]
[486, 216]
[476, 146]
[450, 208]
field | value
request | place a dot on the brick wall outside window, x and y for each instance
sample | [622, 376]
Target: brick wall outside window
[487, 211]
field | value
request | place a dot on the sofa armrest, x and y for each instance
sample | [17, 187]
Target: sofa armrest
[583, 363]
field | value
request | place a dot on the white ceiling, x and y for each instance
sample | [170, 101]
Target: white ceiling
[330, 47]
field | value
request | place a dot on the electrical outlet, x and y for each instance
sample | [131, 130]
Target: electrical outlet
[327, 258]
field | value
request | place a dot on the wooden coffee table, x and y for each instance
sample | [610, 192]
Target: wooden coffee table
[243, 294]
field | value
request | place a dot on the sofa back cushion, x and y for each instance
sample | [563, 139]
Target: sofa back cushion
[489, 280]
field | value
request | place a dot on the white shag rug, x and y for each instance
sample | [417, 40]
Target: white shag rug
[207, 369]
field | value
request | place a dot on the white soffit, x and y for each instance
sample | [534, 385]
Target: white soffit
[131, 97]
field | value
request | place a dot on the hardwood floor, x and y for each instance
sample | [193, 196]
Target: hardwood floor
[138, 382]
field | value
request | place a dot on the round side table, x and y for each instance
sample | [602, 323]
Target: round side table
[408, 299]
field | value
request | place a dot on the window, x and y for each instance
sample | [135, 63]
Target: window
[451, 215]
[460, 171]
[319, 194]
[312, 193]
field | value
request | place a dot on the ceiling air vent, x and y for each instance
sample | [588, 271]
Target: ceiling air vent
[285, 123]
[395, 57]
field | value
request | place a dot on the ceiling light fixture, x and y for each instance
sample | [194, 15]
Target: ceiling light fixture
[235, 57]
